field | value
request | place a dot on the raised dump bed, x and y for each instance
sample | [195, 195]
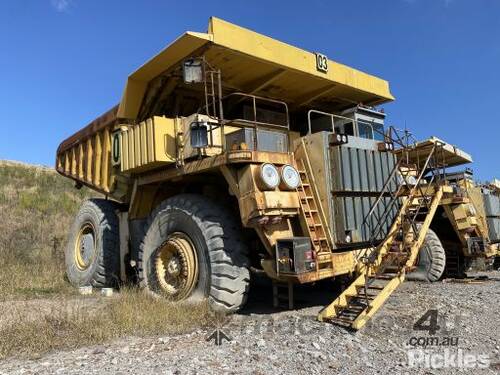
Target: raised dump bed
[250, 63]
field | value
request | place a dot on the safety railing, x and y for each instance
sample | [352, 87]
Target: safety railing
[254, 121]
[342, 120]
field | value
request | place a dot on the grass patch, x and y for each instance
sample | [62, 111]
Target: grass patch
[131, 313]
[41, 311]
[37, 207]
[30, 279]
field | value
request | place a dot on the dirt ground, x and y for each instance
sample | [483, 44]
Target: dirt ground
[261, 340]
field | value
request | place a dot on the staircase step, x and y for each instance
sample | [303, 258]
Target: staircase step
[361, 297]
[382, 277]
[337, 319]
[362, 293]
[349, 314]
[371, 287]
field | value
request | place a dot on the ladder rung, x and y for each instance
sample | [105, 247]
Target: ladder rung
[309, 213]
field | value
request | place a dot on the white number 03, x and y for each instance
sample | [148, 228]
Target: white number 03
[321, 63]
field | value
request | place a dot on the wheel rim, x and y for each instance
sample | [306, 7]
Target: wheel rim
[85, 246]
[176, 267]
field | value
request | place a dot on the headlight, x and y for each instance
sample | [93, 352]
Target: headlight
[269, 176]
[289, 177]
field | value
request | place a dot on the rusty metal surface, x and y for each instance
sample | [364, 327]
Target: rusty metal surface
[214, 162]
[107, 119]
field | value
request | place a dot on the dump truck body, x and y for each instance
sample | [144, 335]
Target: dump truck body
[231, 122]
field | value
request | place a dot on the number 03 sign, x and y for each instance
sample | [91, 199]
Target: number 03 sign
[321, 63]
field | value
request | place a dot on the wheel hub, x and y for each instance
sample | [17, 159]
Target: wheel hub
[85, 246]
[176, 267]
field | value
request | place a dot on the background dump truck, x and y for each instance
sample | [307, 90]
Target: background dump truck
[231, 151]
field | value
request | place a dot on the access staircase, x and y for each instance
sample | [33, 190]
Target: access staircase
[382, 266]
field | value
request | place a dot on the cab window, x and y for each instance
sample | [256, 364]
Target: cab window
[365, 130]
[378, 132]
[371, 131]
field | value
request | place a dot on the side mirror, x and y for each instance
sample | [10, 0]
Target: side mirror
[192, 71]
[198, 134]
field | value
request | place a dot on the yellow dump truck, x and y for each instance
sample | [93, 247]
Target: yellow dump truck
[230, 151]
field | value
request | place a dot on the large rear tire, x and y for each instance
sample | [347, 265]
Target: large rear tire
[193, 250]
[431, 260]
[93, 250]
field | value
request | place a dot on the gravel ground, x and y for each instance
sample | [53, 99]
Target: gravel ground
[289, 342]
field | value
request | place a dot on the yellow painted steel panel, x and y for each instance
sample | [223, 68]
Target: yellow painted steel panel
[150, 138]
[144, 145]
[137, 145]
[106, 158]
[137, 82]
[66, 162]
[148, 144]
[97, 159]
[249, 60]
[289, 57]
[124, 152]
[131, 148]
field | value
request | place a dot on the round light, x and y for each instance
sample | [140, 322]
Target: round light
[339, 138]
[344, 138]
[269, 176]
[290, 177]
[348, 239]
[472, 209]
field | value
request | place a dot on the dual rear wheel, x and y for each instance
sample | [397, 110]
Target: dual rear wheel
[192, 249]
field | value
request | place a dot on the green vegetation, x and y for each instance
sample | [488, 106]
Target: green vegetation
[37, 207]
[74, 325]
[40, 310]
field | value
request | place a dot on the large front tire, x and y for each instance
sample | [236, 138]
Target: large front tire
[431, 260]
[92, 253]
[192, 250]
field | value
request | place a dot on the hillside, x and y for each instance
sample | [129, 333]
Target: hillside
[37, 207]
[40, 310]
